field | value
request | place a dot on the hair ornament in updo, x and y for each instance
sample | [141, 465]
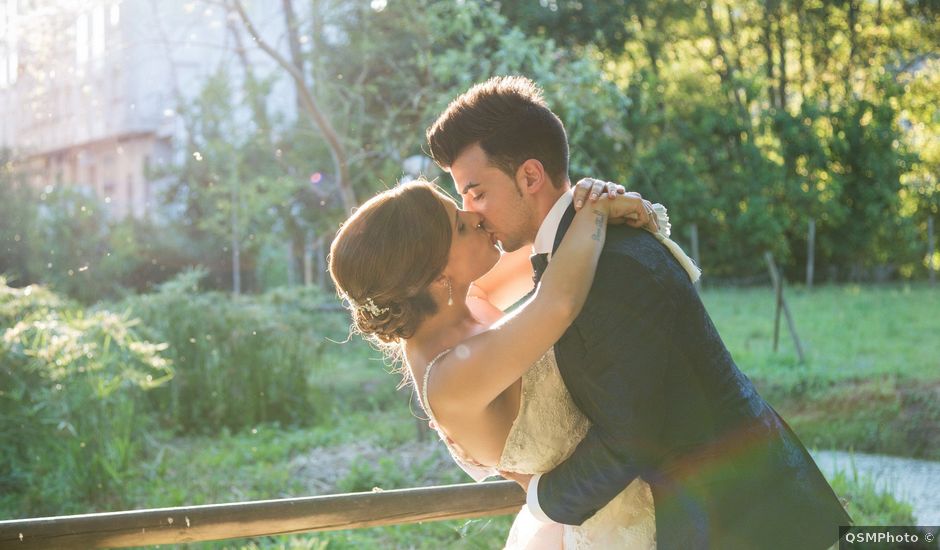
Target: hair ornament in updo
[368, 305]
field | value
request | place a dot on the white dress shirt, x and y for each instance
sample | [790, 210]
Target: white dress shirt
[544, 241]
[545, 238]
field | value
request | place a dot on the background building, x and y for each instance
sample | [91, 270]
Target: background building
[89, 90]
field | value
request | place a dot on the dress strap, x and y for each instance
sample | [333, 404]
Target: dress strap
[424, 385]
[474, 469]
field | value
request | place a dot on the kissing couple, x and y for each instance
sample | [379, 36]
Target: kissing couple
[608, 394]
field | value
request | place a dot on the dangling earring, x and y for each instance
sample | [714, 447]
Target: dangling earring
[450, 293]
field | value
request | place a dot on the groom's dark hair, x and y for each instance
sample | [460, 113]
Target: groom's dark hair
[507, 116]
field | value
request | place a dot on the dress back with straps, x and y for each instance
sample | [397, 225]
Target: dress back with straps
[545, 432]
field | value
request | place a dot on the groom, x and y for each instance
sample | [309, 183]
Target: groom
[643, 361]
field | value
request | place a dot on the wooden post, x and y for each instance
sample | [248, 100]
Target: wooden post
[931, 252]
[810, 253]
[188, 524]
[693, 236]
[777, 281]
[778, 301]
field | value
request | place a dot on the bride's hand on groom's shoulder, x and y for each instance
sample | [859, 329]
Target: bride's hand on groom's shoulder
[626, 207]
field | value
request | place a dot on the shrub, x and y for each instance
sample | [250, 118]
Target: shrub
[70, 387]
[240, 360]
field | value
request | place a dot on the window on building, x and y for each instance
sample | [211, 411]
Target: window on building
[81, 39]
[9, 60]
[97, 32]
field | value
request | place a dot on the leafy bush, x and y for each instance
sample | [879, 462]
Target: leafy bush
[70, 384]
[240, 360]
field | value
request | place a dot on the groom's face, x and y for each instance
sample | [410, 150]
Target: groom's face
[488, 191]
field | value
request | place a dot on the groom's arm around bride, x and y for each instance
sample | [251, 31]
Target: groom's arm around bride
[668, 404]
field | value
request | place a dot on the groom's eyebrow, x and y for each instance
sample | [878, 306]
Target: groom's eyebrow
[470, 185]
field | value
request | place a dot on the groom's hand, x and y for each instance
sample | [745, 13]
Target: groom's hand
[521, 479]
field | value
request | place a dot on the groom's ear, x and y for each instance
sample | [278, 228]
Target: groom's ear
[531, 176]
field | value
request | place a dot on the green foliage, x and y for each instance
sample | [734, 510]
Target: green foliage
[240, 361]
[232, 188]
[69, 404]
[865, 388]
[72, 239]
[18, 209]
[398, 68]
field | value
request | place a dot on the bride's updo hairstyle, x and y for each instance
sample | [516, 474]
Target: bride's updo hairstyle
[387, 254]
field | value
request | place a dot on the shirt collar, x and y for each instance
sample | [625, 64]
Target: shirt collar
[545, 238]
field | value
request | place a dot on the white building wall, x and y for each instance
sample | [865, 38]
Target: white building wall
[93, 96]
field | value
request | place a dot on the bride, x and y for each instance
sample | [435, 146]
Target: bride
[406, 263]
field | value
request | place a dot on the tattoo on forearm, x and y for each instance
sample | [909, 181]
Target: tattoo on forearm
[598, 225]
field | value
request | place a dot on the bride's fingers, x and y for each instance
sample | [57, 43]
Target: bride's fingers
[597, 189]
[582, 190]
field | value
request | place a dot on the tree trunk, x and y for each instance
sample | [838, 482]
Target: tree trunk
[291, 272]
[322, 266]
[309, 243]
[311, 108]
[236, 239]
[293, 41]
[782, 65]
[766, 41]
[727, 74]
[853, 46]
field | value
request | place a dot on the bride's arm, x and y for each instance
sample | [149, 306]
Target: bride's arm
[479, 369]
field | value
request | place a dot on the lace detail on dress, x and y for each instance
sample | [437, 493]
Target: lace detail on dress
[548, 424]
[545, 432]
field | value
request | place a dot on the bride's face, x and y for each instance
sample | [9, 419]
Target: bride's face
[473, 251]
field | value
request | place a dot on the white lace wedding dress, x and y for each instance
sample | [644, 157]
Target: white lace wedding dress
[545, 432]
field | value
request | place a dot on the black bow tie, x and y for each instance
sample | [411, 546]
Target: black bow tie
[539, 263]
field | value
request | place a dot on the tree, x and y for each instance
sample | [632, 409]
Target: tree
[17, 224]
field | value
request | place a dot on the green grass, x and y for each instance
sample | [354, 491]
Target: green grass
[866, 504]
[871, 381]
[848, 332]
[870, 384]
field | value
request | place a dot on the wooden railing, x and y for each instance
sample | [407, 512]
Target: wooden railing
[265, 517]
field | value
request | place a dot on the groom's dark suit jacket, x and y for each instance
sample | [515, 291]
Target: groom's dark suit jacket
[667, 403]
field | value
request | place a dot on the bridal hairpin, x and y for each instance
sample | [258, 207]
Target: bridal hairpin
[368, 305]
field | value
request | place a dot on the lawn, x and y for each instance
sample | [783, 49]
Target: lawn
[870, 384]
[871, 381]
